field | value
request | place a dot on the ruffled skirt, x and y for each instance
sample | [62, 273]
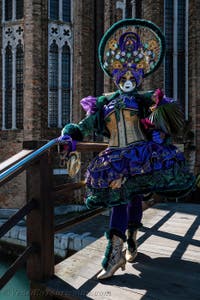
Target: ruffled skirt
[143, 167]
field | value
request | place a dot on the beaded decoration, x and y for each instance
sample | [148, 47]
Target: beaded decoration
[131, 44]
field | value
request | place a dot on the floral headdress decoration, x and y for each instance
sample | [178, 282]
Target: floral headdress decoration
[131, 44]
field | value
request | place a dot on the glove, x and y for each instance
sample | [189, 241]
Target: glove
[67, 142]
[158, 137]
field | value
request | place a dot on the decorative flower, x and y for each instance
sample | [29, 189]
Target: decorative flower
[142, 64]
[152, 44]
[112, 44]
[117, 65]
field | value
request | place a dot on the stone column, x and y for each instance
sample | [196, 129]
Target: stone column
[153, 10]
[35, 68]
[83, 54]
[113, 13]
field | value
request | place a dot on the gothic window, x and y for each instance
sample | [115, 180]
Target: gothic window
[169, 48]
[19, 9]
[53, 85]
[54, 9]
[60, 10]
[8, 10]
[59, 63]
[19, 85]
[8, 87]
[181, 51]
[12, 64]
[65, 84]
[13, 9]
[175, 34]
[66, 10]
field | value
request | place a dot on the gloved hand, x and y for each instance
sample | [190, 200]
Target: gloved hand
[67, 142]
[158, 137]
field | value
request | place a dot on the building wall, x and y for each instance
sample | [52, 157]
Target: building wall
[91, 18]
[35, 69]
[84, 54]
[153, 11]
[194, 77]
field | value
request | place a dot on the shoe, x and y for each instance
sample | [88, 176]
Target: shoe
[131, 251]
[114, 257]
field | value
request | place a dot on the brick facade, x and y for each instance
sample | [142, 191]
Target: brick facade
[91, 18]
[194, 76]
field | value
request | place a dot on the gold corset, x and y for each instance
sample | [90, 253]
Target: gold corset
[125, 131]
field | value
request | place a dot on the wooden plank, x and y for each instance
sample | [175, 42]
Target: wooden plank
[88, 146]
[40, 222]
[167, 265]
[14, 159]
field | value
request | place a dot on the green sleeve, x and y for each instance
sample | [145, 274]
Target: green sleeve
[91, 123]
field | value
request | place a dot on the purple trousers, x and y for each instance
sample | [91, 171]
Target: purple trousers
[126, 215]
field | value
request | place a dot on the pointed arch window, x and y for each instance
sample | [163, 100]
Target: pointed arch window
[54, 9]
[66, 9]
[13, 10]
[66, 66]
[175, 25]
[8, 10]
[59, 62]
[19, 9]
[60, 10]
[19, 85]
[8, 87]
[12, 63]
[169, 48]
[53, 85]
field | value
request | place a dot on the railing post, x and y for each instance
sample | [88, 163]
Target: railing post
[40, 225]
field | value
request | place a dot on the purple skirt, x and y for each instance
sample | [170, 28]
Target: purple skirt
[137, 159]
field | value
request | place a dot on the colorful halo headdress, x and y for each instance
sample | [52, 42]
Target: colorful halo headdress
[132, 43]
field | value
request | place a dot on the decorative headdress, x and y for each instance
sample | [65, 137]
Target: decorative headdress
[132, 44]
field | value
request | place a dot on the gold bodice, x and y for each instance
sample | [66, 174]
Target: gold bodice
[125, 131]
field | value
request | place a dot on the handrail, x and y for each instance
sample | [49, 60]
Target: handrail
[21, 164]
[14, 159]
[39, 210]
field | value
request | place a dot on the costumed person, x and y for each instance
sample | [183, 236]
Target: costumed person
[139, 124]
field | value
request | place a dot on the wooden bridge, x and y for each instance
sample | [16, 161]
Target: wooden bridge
[167, 266]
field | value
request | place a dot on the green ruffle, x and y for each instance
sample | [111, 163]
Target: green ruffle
[170, 183]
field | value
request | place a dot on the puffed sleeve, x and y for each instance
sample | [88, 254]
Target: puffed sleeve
[92, 122]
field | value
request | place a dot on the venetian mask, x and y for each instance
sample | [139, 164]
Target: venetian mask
[128, 80]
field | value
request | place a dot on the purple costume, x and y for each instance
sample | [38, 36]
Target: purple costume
[140, 157]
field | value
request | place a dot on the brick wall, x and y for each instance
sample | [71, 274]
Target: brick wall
[84, 54]
[0, 67]
[153, 11]
[86, 21]
[194, 75]
[35, 69]
[111, 16]
[12, 194]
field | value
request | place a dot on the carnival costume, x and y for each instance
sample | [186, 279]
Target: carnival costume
[139, 158]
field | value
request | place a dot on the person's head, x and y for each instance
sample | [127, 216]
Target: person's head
[128, 79]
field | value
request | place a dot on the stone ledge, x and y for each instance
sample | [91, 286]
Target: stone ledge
[62, 241]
